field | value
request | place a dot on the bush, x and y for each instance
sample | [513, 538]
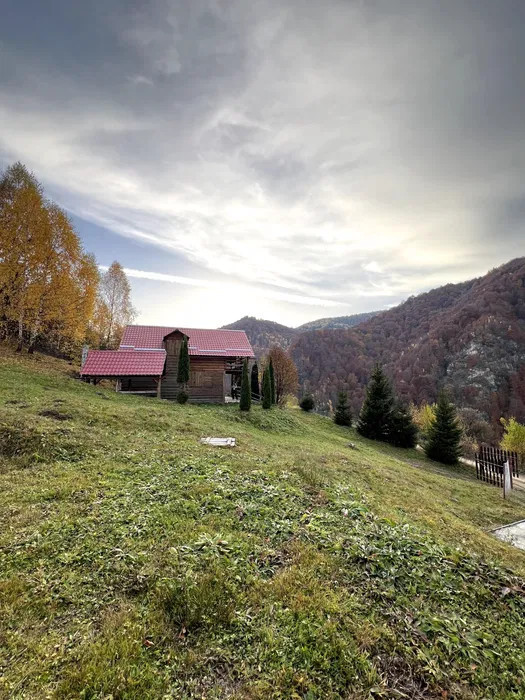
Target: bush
[514, 437]
[182, 397]
[307, 403]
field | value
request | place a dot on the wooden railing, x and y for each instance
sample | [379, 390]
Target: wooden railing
[490, 461]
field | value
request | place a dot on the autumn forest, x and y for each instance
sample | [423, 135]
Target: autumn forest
[52, 294]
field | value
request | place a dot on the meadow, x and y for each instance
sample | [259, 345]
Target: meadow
[137, 563]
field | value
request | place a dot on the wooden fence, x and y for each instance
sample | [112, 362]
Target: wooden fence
[490, 461]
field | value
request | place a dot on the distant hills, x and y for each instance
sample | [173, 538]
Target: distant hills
[263, 334]
[467, 337]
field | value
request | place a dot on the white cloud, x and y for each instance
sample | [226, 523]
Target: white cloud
[236, 287]
[372, 266]
[161, 277]
[303, 153]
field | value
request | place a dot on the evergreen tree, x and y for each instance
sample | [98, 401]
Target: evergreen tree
[443, 444]
[343, 414]
[183, 369]
[255, 382]
[267, 389]
[376, 413]
[272, 379]
[246, 396]
[403, 430]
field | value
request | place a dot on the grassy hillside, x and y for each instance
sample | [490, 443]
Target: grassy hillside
[137, 563]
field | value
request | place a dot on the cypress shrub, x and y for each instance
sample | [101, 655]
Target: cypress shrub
[255, 382]
[307, 403]
[376, 414]
[444, 435]
[343, 414]
[272, 380]
[267, 389]
[403, 430]
[246, 394]
[183, 368]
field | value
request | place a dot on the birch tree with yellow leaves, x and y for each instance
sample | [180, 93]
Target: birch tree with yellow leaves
[48, 283]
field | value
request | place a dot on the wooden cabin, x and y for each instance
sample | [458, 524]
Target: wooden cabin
[147, 361]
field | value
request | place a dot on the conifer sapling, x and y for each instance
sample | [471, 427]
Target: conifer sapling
[246, 397]
[272, 380]
[255, 382]
[444, 436]
[183, 368]
[376, 414]
[403, 430]
[267, 389]
[343, 414]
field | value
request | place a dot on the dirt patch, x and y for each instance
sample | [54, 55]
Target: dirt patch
[56, 415]
[16, 402]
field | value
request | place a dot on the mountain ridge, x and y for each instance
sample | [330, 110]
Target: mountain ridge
[264, 333]
[468, 337]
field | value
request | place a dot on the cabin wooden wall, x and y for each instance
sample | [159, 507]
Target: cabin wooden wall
[206, 375]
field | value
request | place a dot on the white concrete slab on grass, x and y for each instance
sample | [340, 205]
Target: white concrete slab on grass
[218, 441]
[513, 534]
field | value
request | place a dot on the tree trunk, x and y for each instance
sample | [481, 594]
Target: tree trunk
[20, 333]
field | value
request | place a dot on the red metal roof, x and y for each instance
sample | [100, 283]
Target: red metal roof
[202, 341]
[115, 363]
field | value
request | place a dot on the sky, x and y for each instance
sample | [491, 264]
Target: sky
[285, 159]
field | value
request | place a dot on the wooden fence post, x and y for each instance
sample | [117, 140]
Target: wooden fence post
[507, 479]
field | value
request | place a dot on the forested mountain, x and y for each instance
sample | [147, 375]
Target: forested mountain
[469, 337]
[263, 334]
[337, 322]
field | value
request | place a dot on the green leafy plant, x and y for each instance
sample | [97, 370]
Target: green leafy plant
[514, 437]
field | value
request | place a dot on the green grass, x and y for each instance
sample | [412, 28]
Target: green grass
[137, 563]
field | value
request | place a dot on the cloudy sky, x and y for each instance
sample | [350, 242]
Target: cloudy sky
[288, 159]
